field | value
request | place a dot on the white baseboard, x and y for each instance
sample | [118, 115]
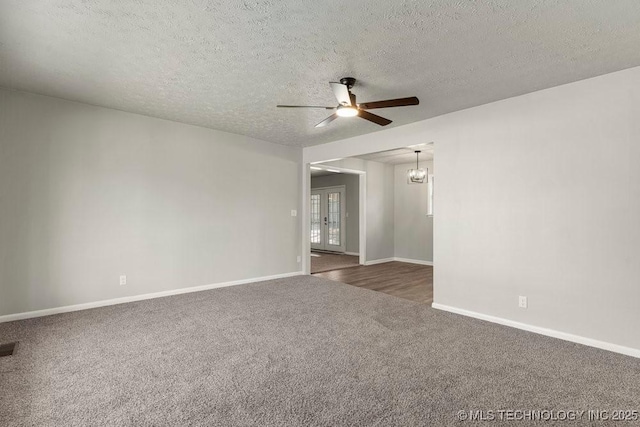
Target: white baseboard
[103, 303]
[413, 261]
[633, 352]
[352, 253]
[378, 261]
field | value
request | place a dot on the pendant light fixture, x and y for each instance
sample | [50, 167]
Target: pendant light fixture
[417, 175]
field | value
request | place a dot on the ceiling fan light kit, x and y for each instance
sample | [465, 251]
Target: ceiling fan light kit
[348, 107]
[344, 111]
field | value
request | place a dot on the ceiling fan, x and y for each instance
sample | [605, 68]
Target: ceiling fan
[347, 106]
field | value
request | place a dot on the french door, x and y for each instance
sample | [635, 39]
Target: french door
[328, 219]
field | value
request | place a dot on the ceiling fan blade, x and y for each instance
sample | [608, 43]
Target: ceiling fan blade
[400, 102]
[373, 118]
[327, 120]
[305, 106]
[341, 92]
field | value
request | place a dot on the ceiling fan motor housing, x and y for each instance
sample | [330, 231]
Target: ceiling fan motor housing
[348, 81]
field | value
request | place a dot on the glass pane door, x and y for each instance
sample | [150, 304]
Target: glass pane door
[327, 214]
[334, 222]
[316, 219]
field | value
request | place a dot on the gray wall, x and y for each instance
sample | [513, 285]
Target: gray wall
[88, 194]
[413, 229]
[352, 189]
[537, 195]
[380, 209]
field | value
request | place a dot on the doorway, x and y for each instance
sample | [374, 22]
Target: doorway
[400, 221]
[328, 214]
[336, 223]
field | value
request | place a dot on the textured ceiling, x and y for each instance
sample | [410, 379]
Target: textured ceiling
[401, 156]
[226, 64]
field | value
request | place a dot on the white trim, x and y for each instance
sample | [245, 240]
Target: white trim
[305, 218]
[633, 352]
[122, 300]
[413, 261]
[362, 217]
[379, 261]
[352, 253]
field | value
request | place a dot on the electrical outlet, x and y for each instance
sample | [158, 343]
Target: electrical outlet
[522, 302]
[294, 212]
[123, 280]
[299, 258]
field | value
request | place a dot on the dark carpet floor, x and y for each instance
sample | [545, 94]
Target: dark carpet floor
[301, 351]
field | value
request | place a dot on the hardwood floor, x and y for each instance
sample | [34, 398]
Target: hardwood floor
[323, 261]
[409, 281]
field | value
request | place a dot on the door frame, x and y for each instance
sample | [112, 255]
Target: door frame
[306, 214]
[343, 214]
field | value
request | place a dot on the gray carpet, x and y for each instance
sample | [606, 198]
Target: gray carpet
[301, 351]
[322, 261]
